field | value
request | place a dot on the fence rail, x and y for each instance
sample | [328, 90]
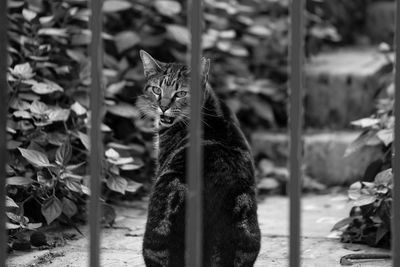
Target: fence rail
[3, 124]
[194, 227]
[295, 123]
[396, 161]
[96, 151]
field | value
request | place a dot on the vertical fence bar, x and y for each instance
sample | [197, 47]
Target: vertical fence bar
[295, 122]
[96, 56]
[195, 159]
[396, 160]
[3, 123]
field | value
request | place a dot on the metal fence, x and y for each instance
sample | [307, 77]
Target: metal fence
[193, 231]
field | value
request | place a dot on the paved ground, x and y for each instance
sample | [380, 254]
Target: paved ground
[121, 246]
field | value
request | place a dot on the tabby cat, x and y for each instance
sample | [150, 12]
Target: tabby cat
[230, 227]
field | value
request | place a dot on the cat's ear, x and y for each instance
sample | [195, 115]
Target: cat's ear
[150, 65]
[205, 67]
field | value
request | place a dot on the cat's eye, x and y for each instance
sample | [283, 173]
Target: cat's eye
[181, 94]
[156, 90]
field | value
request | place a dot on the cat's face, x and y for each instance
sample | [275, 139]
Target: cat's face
[166, 95]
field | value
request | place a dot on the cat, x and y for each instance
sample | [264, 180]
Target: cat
[231, 234]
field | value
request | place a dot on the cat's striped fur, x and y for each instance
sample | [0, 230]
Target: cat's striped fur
[230, 226]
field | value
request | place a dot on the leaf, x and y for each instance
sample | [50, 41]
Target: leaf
[380, 233]
[167, 7]
[178, 33]
[260, 31]
[78, 109]
[364, 200]
[115, 88]
[45, 88]
[35, 157]
[51, 209]
[124, 110]
[39, 107]
[10, 203]
[386, 136]
[126, 40]
[116, 6]
[354, 191]
[33, 226]
[23, 71]
[28, 14]
[69, 207]
[342, 223]
[133, 186]
[131, 167]
[85, 140]
[12, 226]
[112, 153]
[73, 184]
[58, 114]
[22, 114]
[117, 184]
[19, 180]
[362, 140]
[365, 122]
[384, 177]
[64, 153]
[59, 32]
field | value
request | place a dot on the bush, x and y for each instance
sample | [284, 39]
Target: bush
[49, 82]
[370, 218]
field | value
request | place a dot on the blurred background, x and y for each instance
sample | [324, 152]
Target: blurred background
[348, 101]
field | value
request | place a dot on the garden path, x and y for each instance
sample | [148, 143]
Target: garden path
[121, 246]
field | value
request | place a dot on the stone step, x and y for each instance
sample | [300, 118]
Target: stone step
[323, 154]
[341, 86]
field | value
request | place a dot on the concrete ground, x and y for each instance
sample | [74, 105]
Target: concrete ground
[121, 246]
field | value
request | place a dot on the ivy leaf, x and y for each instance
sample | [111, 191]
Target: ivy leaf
[23, 71]
[85, 140]
[116, 6]
[35, 157]
[58, 114]
[45, 88]
[68, 207]
[19, 180]
[51, 209]
[178, 33]
[168, 8]
[39, 107]
[386, 136]
[365, 122]
[22, 114]
[124, 110]
[73, 185]
[10, 203]
[133, 186]
[64, 153]
[368, 137]
[12, 226]
[126, 40]
[344, 222]
[384, 177]
[364, 200]
[117, 184]
[33, 226]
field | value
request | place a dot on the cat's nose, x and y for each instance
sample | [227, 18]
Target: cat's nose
[164, 108]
